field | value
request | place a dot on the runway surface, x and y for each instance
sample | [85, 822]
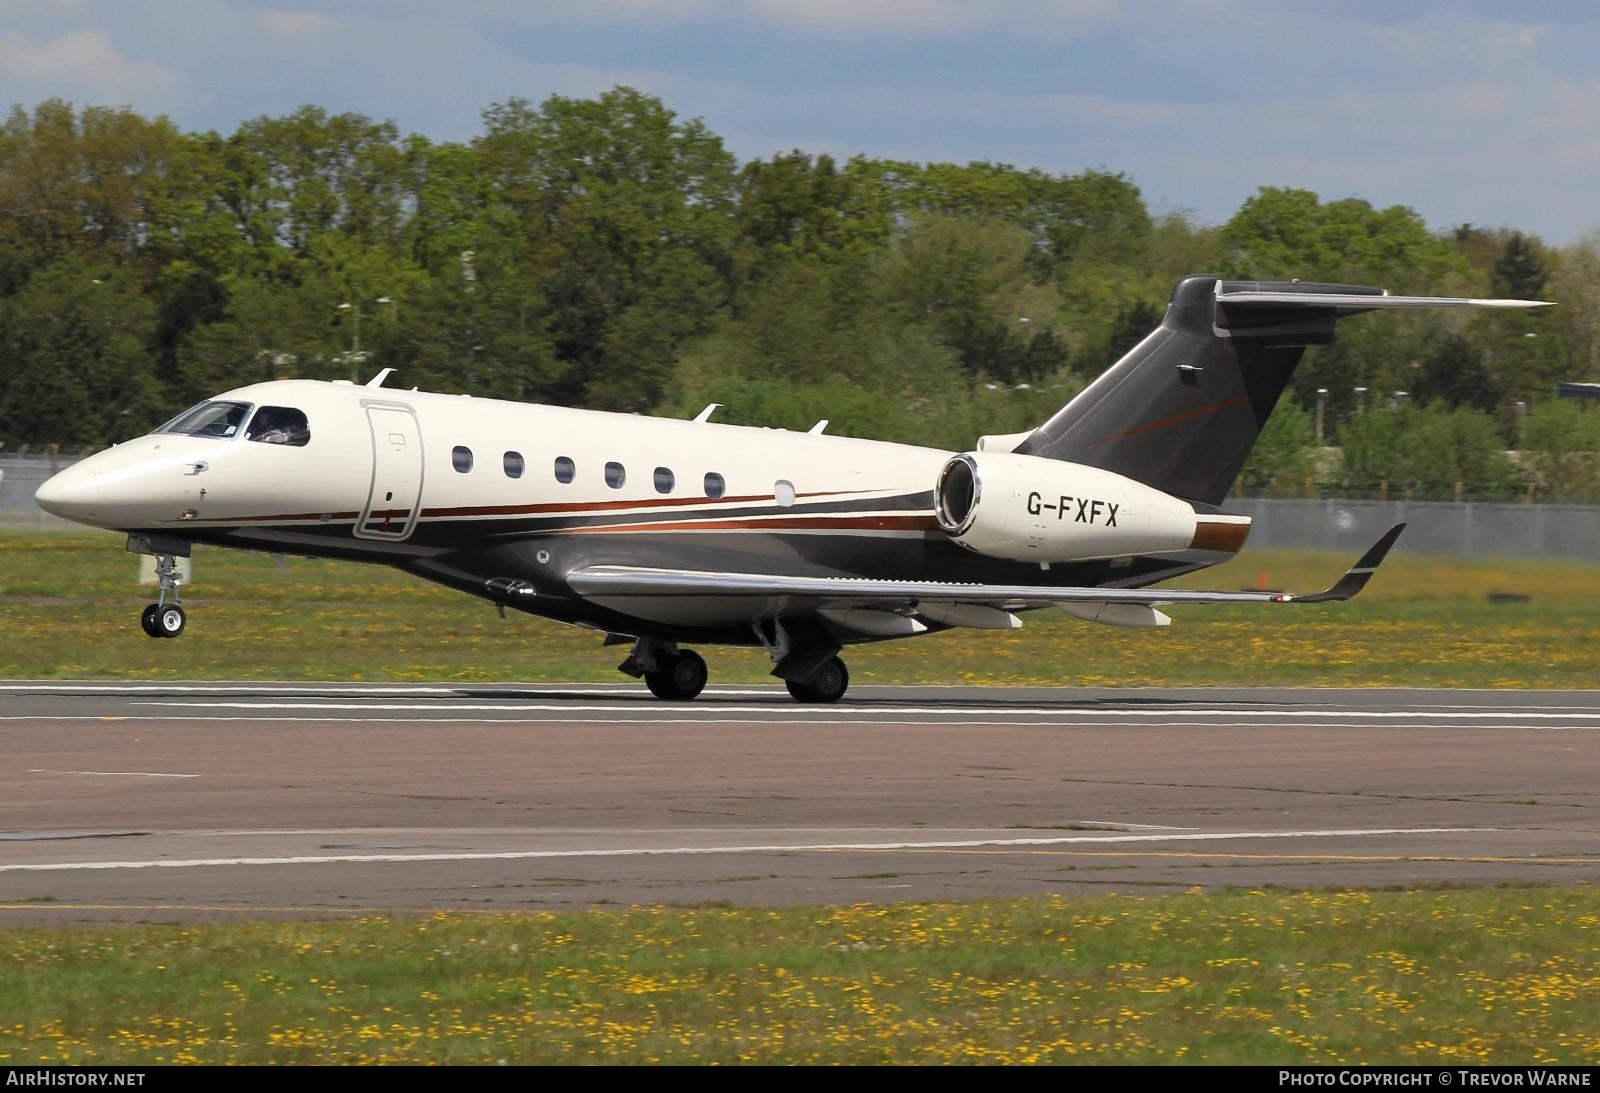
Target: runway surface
[194, 801]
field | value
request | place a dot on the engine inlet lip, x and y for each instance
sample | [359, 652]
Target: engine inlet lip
[941, 509]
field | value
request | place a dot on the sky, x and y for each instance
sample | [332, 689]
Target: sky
[1468, 111]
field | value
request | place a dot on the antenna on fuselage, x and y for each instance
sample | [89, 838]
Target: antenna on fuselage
[705, 415]
[377, 381]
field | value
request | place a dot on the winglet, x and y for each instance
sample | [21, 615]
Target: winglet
[1356, 578]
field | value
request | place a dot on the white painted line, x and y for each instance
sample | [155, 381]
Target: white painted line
[767, 721]
[872, 711]
[679, 851]
[48, 690]
[116, 773]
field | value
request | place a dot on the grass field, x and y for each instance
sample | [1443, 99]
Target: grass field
[70, 607]
[1432, 976]
[1439, 977]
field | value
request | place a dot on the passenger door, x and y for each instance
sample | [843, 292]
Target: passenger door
[396, 494]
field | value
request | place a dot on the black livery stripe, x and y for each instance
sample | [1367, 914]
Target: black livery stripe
[600, 515]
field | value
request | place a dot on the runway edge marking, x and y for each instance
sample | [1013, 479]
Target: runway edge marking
[640, 852]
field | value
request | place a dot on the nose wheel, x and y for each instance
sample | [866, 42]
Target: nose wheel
[162, 619]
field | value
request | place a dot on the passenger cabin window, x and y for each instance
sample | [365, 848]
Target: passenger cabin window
[214, 419]
[513, 464]
[279, 425]
[783, 493]
[615, 475]
[565, 469]
[664, 480]
[715, 486]
[461, 458]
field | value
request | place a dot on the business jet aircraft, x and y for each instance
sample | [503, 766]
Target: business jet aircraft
[661, 533]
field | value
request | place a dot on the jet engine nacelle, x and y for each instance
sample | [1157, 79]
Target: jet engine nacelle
[1029, 509]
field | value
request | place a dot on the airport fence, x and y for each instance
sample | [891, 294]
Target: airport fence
[1466, 528]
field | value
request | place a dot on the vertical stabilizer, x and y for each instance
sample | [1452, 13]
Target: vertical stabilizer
[1182, 409]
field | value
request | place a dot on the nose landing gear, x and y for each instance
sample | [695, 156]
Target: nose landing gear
[162, 619]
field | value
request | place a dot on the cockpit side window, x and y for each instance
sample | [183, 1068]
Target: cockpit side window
[213, 419]
[279, 425]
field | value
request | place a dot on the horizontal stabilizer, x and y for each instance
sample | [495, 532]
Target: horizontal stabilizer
[1351, 302]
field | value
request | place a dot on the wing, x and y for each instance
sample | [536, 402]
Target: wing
[843, 592]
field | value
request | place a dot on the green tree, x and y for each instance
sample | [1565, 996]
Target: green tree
[312, 172]
[78, 371]
[969, 281]
[616, 198]
[1371, 456]
[1560, 449]
[478, 329]
[1442, 448]
[1520, 272]
[1286, 233]
[1286, 454]
[1453, 372]
[797, 205]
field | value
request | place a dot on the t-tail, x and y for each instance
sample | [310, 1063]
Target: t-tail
[1181, 411]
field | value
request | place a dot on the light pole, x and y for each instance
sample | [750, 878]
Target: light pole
[1361, 399]
[355, 328]
[355, 335]
[1322, 398]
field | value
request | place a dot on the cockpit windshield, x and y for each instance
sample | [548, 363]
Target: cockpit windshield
[217, 419]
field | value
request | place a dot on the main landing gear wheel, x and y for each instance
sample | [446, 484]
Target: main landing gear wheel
[163, 621]
[681, 676]
[828, 685]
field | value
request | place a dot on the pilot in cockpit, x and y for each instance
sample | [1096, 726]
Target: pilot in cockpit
[279, 425]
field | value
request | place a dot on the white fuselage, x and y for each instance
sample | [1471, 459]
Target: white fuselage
[156, 482]
[502, 500]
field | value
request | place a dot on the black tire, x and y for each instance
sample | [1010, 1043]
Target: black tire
[689, 675]
[660, 683]
[147, 621]
[828, 685]
[170, 620]
[678, 678]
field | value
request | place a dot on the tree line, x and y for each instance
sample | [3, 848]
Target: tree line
[605, 252]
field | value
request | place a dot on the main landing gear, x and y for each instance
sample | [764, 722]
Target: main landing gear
[162, 619]
[678, 675]
[670, 673]
[828, 684]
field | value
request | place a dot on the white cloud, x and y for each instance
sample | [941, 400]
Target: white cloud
[81, 63]
[294, 24]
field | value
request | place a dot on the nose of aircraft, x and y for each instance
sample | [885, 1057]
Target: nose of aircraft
[123, 487]
[72, 494]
